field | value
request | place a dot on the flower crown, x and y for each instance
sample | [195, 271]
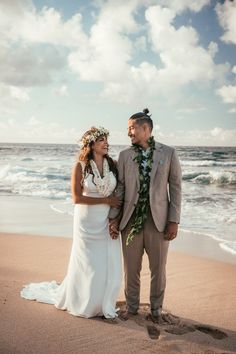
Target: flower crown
[93, 136]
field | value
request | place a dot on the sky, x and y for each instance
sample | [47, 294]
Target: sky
[67, 65]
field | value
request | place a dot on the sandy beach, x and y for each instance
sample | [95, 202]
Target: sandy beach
[200, 295]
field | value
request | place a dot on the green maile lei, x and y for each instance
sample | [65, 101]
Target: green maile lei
[143, 203]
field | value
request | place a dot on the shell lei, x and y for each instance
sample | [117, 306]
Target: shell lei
[103, 184]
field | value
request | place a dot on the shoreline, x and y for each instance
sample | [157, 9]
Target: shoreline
[35, 216]
[196, 292]
[186, 242]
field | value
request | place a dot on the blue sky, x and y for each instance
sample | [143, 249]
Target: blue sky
[68, 65]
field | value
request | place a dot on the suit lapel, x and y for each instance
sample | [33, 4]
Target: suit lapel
[157, 156]
[135, 166]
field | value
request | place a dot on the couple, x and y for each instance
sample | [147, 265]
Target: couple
[140, 196]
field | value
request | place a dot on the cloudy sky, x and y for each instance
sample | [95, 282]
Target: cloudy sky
[66, 65]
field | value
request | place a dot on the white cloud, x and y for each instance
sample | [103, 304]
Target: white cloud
[227, 93]
[232, 110]
[183, 61]
[27, 66]
[223, 136]
[105, 55]
[213, 49]
[18, 94]
[11, 97]
[227, 18]
[33, 121]
[12, 123]
[183, 58]
[31, 43]
[179, 6]
[191, 109]
[216, 131]
[36, 44]
[36, 131]
[62, 91]
[234, 69]
[214, 137]
[46, 26]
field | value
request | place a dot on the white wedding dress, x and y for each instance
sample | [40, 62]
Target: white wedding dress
[92, 284]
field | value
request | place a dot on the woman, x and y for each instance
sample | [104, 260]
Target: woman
[93, 279]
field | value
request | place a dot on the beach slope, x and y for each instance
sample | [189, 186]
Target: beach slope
[200, 295]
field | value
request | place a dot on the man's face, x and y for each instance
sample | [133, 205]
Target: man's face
[135, 132]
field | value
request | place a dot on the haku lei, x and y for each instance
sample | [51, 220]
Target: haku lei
[93, 136]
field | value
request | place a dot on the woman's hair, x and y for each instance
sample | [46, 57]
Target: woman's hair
[86, 153]
[143, 117]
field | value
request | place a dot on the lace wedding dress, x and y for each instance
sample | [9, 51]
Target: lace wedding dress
[93, 278]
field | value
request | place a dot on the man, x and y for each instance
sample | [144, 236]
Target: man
[150, 187]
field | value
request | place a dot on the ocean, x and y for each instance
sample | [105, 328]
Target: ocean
[43, 172]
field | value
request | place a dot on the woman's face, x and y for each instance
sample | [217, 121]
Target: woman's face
[100, 146]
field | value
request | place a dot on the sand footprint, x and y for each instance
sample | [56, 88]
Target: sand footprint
[153, 332]
[213, 332]
[179, 330]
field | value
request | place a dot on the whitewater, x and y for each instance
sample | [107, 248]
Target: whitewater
[209, 184]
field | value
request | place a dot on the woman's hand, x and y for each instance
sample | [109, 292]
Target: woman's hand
[114, 228]
[114, 201]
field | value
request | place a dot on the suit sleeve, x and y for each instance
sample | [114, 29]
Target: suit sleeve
[120, 189]
[175, 180]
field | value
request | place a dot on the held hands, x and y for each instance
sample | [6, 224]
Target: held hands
[114, 228]
[114, 201]
[171, 231]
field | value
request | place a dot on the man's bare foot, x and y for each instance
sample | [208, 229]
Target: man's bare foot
[125, 315]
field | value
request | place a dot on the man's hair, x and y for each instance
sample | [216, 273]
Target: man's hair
[143, 117]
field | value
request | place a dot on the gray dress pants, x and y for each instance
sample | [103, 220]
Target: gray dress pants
[156, 247]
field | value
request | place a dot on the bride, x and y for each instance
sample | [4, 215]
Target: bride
[93, 278]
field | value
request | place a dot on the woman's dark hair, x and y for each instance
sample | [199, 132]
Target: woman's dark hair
[143, 117]
[86, 155]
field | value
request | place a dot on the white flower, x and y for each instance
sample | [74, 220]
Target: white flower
[93, 136]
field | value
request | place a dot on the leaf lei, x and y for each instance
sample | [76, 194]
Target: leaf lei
[143, 203]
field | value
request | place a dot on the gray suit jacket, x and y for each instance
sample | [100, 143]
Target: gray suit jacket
[165, 186]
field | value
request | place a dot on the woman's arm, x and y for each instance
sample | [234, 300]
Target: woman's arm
[79, 198]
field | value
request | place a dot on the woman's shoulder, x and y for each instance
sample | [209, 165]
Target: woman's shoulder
[79, 166]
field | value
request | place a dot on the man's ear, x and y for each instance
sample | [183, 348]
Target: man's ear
[146, 128]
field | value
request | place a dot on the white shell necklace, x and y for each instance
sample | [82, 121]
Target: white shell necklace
[103, 184]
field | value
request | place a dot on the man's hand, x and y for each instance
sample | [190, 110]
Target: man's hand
[114, 228]
[171, 231]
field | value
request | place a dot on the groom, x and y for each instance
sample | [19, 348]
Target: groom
[150, 187]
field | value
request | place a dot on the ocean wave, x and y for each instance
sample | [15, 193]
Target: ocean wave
[226, 245]
[45, 193]
[24, 181]
[27, 159]
[209, 163]
[227, 219]
[63, 208]
[23, 174]
[57, 176]
[211, 177]
[229, 246]
[4, 171]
